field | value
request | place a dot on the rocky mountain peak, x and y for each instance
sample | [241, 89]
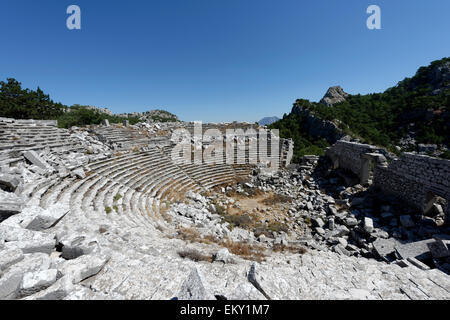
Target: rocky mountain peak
[334, 95]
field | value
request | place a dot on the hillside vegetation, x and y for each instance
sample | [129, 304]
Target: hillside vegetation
[19, 103]
[415, 111]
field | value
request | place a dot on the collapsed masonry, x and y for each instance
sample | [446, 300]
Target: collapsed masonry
[416, 179]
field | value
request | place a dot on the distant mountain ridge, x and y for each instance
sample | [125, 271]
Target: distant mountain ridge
[268, 120]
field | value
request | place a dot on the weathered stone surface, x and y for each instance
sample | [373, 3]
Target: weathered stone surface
[10, 204]
[27, 240]
[10, 181]
[368, 225]
[9, 285]
[10, 257]
[255, 280]
[418, 250]
[79, 173]
[193, 288]
[418, 263]
[11, 279]
[35, 159]
[74, 246]
[83, 267]
[32, 246]
[318, 222]
[438, 249]
[384, 247]
[246, 291]
[58, 291]
[334, 95]
[35, 218]
[223, 255]
[33, 282]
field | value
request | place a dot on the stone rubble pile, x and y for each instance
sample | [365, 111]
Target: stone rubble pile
[353, 221]
[36, 263]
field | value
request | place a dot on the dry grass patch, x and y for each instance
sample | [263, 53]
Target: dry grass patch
[245, 250]
[290, 248]
[242, 249]
[267, 229]
[192, 235]
[275, 199]
[244, 221]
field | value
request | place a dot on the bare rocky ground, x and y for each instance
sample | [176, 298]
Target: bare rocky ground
[83, 224]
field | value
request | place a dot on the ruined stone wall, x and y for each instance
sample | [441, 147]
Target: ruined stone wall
[415, 179]
[287, 151]
[348, 155]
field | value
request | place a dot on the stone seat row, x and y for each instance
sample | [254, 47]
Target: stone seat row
[133, 185]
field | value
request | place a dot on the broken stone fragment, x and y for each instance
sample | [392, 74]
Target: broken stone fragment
[83, 267]
[33, 282]
[318, 222]
[10, 284]
[254, 278]
[384, 247]
[342, 241]
[74, 246]
[368, 225]
[223, 255]
[351, 222]
[58, 291]
[340, 231]
[79, 173]
[418, 263]
[35, 159]
[418, 249]
[33, 246]
[35, 218]
[193, 288]
[437, 209]
[331, 224]
[27, 240]
[320, 231]
[332, 210]
[339, 248]
[9, 257]
[10, 204]
[9, 181]
[11, 279]
[245, 291]
[438, 249]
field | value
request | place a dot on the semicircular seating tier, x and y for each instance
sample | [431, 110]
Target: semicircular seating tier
[134, 186]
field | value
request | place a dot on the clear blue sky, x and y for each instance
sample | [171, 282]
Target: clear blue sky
[215, 60]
